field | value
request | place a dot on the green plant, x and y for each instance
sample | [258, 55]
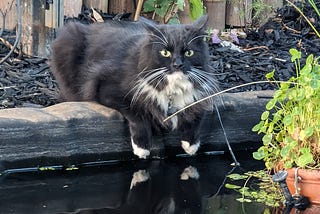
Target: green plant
[291, 122]
[257, 187]
[167, 10]
[314, 6]
[261, 11]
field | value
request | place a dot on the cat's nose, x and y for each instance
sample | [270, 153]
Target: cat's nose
[177, 63]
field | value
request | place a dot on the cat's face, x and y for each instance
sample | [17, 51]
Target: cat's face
[178, 47]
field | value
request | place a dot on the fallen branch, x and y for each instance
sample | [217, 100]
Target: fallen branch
[8, 45]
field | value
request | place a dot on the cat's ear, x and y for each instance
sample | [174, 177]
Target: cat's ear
[201, 23]
[153, 28]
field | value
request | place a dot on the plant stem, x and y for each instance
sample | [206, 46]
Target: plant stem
[314, 7]
[306, 18]
[221, 92]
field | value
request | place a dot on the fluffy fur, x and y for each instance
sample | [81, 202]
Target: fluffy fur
[143, 70]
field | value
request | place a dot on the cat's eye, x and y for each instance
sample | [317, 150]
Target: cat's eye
[165, 53]
[189, 53]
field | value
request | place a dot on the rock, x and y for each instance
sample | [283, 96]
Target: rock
[76, 132]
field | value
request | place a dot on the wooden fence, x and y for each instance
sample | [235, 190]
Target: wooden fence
[8, 10]
[40, 18]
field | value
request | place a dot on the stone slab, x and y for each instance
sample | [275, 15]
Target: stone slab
[77, 132]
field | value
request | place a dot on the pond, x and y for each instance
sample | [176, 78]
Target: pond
[175, 185]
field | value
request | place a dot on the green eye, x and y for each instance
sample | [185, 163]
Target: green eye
[189, 53]
[165, 53]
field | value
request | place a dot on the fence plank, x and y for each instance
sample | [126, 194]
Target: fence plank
[72, 8]
[121, 6]
[8, 8]
[97, 4]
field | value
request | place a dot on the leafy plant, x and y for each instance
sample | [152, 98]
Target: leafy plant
[257, 187]
[261, 11]
[168, 9]
[291, 122]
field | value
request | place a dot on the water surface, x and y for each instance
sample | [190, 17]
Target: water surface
[176, 185]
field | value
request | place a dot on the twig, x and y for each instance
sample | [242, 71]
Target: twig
[7, 43]
[255, 48]
[170, 13]
[281, 60]
[153, 15]
[306, 18]
[226, 138]
[288, 28]
[19, 33]
[138, 10]
[7, 87]
[221, 92]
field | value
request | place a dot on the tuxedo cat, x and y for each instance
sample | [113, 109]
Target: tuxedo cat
[143, 70]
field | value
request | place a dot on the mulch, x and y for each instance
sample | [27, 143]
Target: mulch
[28, 82]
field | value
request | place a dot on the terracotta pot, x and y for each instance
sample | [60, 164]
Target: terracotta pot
[314, 209]
[308, 185]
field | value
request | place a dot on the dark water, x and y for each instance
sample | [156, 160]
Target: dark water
[179, 185]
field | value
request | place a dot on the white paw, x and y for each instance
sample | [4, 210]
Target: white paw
[191, 150]
[139, 177]
[141, 153]
[189, 172]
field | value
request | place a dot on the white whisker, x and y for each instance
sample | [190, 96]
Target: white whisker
[206, 76]
[160, 80]
[147, 72]
[208, 84]
[206, 72]
[141, 85]
[139, 77]
[158, 30]
[161, 43]
[206, 90]
[194, 38]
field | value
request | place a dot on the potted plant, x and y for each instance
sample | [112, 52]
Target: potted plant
[291, 123]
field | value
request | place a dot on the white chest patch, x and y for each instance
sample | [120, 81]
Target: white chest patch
[178, 93]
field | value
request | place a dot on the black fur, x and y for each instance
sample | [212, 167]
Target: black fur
[114, 63]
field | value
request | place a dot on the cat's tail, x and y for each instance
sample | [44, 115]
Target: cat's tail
[67, 57]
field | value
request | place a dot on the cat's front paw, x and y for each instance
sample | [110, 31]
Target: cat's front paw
[190, 149]
[140, 152]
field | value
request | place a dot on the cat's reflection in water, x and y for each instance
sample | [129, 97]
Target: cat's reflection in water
[139, 176]
[159, 192]
[152, 195]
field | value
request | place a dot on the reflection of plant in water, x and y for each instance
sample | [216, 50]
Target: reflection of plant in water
[257, 187]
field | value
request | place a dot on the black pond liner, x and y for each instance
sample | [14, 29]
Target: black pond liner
[108, 187]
